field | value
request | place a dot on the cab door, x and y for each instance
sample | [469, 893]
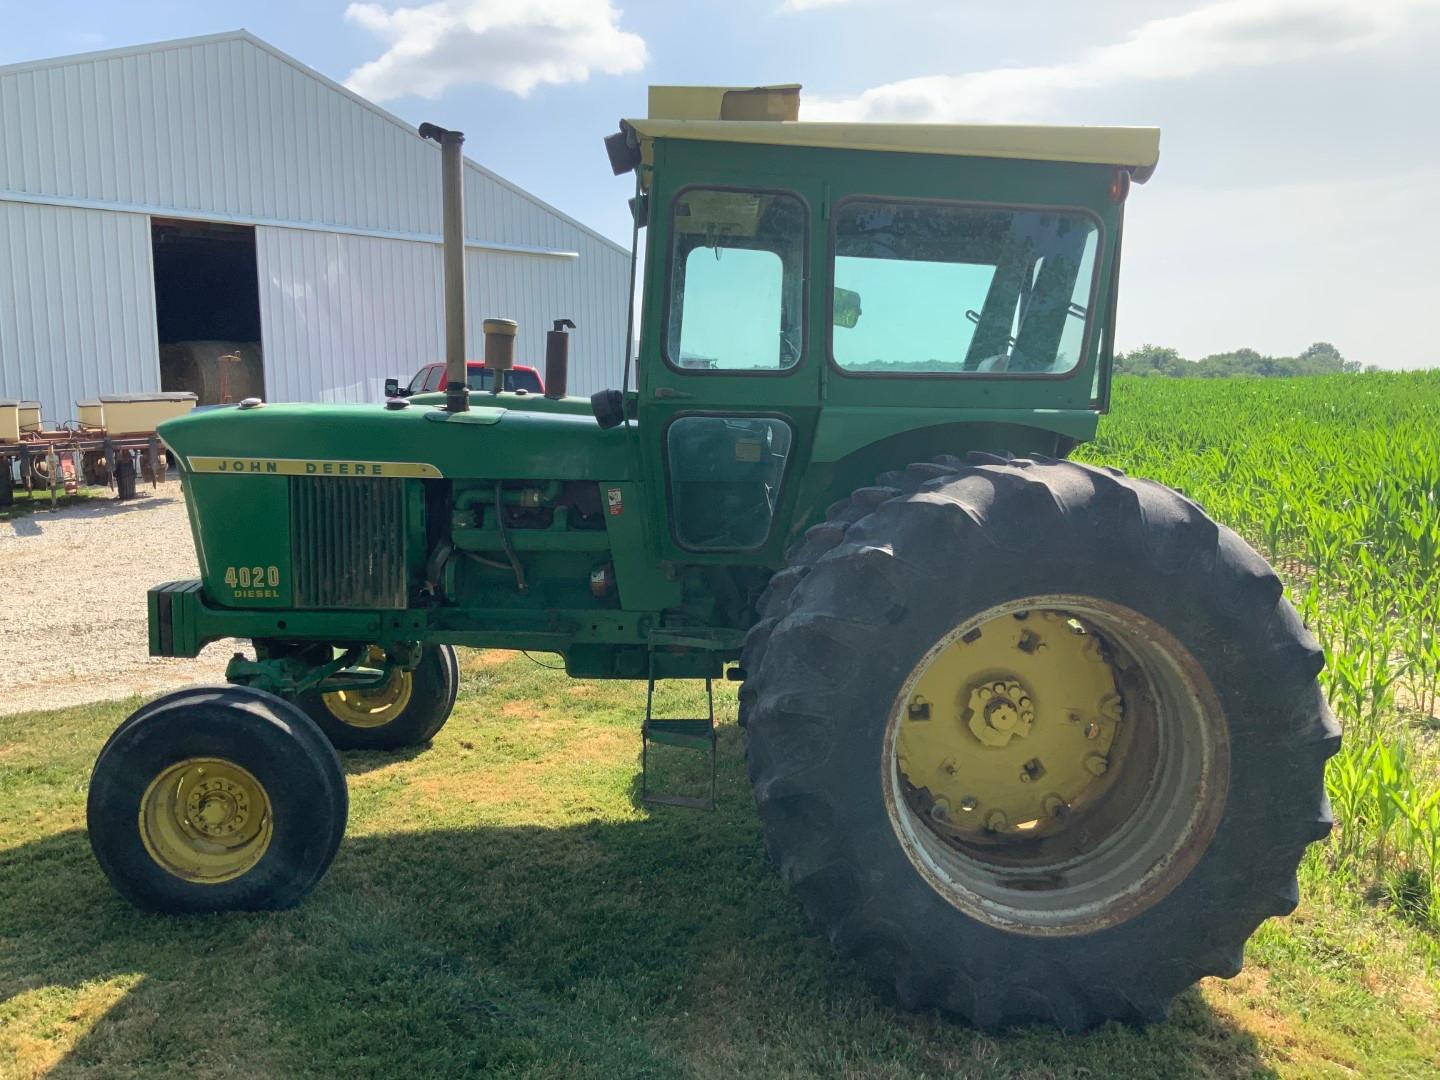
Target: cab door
[728, 386]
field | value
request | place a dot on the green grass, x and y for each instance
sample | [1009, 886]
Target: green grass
[501, 905]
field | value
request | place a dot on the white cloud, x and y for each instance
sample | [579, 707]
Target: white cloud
[501, 43]
[1216, 36]
[810, 5]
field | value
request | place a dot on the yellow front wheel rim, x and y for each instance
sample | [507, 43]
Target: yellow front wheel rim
[374, 706]
[206, 820]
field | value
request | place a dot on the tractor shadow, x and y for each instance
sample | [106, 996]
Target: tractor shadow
[360, 762]
[30, 516]
[658, 947]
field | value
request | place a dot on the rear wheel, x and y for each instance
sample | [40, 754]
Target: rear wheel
[1035, 740]
[216, 799]
[405, 710]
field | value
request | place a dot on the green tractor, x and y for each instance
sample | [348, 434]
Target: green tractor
[1032, 740]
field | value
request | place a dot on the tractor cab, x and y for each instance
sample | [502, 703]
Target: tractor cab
[823, 299]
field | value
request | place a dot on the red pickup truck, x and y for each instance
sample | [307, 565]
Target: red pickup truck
[432, 377]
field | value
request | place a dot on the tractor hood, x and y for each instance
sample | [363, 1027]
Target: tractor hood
[492, 441]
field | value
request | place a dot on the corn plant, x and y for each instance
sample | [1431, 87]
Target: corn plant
[1336, 480]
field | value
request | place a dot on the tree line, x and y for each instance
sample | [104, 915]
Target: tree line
[1321, 358]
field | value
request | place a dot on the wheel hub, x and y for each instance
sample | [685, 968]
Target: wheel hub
[205, 820]
[999, 710]
[217, 807]
[1010, 730]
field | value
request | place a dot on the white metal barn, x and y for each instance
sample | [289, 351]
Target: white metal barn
[215, 189]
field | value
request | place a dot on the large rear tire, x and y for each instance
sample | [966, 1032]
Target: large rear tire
[216, 799]
[1035, 740]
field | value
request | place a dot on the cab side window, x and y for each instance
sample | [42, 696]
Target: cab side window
[737, 281]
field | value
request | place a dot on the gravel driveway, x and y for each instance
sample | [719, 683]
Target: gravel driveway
[74, 585]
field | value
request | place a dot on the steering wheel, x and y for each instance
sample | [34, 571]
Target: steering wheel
[789, 347]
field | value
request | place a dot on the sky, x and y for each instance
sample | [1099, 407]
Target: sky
[1300, 148]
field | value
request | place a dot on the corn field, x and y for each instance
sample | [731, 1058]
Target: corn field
[1336, 480]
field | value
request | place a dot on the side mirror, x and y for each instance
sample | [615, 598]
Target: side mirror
[847, 307]
[392, 388]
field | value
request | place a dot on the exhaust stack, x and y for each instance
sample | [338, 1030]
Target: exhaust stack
[452, 190]
[557, 359]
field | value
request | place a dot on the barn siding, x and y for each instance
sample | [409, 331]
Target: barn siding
[341, 313]
[77, 308]
[227, 128]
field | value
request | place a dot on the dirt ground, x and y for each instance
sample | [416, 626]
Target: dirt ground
[73, 584]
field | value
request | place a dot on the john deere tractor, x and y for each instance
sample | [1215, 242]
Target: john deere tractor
[1031, 739]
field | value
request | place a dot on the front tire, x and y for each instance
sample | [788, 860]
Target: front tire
[407, 710]
[216, 799]
[1034, 740]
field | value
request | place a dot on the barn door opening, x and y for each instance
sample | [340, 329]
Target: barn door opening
[207, 309]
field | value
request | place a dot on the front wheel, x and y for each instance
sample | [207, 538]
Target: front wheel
[1035, 741]
[405, 710]
[216, 799]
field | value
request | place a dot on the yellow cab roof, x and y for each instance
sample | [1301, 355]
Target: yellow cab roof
[768, 116]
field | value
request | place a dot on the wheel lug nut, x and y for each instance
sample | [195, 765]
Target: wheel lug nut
[949, 766]
[1096, 764]
[996, 820]
[969, 803]
[1055, 806]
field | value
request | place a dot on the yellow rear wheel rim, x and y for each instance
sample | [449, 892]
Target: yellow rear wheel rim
[1011, 729]
[206, 820]
[375, 706]
[1055, 765]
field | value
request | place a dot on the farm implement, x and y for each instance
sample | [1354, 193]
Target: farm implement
[113, 441]
[1032, 740]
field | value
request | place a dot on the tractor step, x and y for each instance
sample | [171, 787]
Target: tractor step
[685, 733]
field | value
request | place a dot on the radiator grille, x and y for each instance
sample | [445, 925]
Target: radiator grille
[349, 548]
